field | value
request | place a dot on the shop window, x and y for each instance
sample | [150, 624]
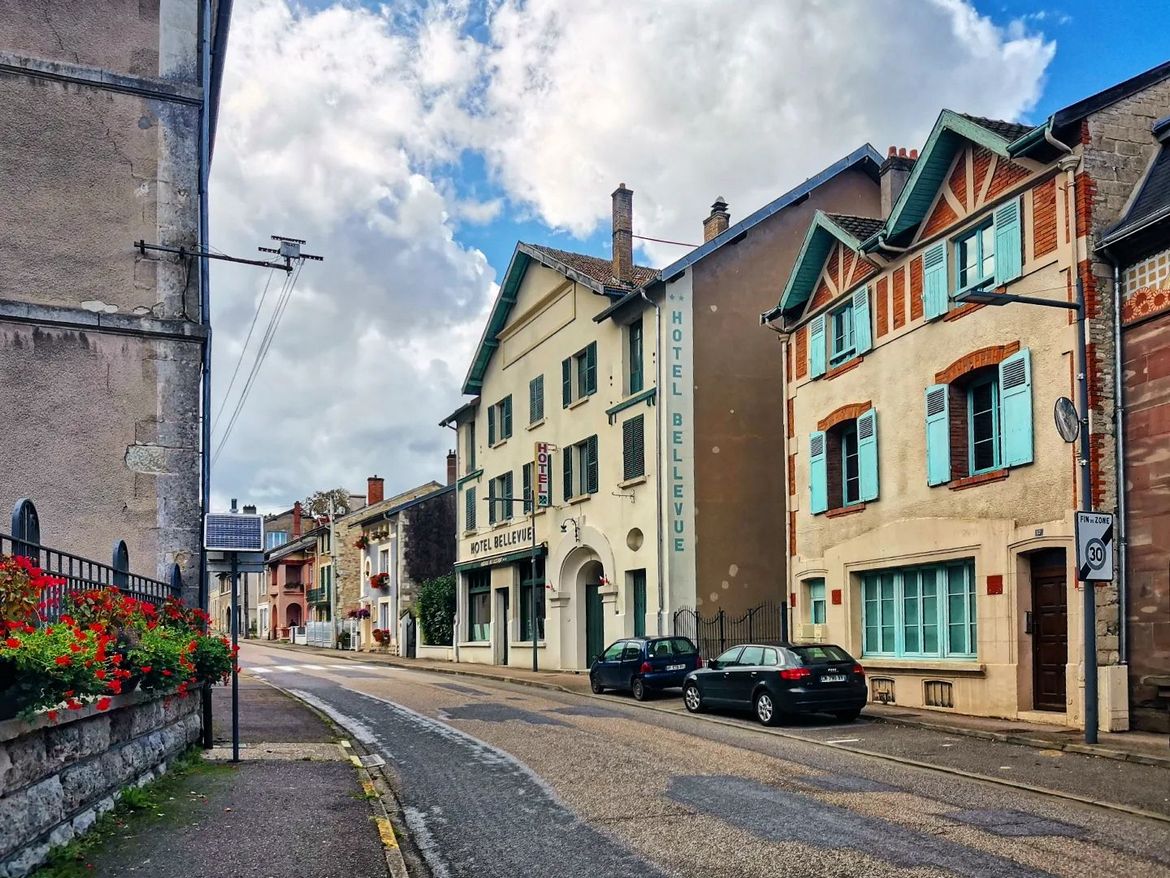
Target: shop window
[926, 612]
[579, 375]
[479, 605]
[527, 583]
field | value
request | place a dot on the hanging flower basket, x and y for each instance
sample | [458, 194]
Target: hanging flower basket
[361, 542]
[380, 580]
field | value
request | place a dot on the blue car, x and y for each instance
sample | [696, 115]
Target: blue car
[644, 664]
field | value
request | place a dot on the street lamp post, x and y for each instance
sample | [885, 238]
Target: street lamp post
[1089, 596]
[532, 604]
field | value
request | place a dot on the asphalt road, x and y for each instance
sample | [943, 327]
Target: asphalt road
[503, 780]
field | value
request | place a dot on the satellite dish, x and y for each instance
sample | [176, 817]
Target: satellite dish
[1068, 423]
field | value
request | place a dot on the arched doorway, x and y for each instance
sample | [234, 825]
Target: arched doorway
[294, 615]
[589, 587]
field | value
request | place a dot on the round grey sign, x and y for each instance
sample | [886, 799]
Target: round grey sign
[1068, 424]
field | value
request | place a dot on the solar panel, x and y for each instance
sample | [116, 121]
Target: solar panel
[230, 532]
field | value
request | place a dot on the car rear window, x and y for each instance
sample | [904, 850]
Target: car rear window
[671, 646]
[810, 655]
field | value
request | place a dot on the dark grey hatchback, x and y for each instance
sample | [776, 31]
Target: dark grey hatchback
[780, 681]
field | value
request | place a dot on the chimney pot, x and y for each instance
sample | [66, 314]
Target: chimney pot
[718, 220]
[451, 467]
[375, 487]
[249, 509]
[892, 151]
[913, 153]
[623, 233]
[902, 152]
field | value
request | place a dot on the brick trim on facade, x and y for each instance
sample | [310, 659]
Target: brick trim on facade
[848, 412]
[848, 366]
[962, 484]
[989, 356]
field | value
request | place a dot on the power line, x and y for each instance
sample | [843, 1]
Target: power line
[662, 241]
[243, 350]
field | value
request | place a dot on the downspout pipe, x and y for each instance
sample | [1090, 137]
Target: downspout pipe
[784, 427]
[205, 320]
[658, 461]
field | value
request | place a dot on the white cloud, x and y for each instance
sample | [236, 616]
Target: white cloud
[343, 126]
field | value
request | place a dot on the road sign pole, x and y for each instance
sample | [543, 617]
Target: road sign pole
[235, 658]
[1089, 587]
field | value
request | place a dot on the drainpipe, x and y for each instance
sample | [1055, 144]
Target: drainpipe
[455, 622]
[205, 320]
[784, 337]
[658, 460]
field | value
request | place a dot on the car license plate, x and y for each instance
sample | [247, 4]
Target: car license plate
[684, 667]
[833, 678]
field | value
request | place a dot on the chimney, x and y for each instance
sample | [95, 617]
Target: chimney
[451, 472]
[297, 519]
[249, 510]
[894, 173]
[718, 221]
[623, 233]
[374, 490]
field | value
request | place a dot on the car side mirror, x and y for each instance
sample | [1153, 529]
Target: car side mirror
[713, 664]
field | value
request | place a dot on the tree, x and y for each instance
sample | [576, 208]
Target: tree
[436, 610]
[430, 538]
[317, 503]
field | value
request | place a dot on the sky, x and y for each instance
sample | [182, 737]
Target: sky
[413, 143]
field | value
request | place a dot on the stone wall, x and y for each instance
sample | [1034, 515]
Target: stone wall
[57, 778]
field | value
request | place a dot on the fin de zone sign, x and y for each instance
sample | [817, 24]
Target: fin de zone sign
[1094, 546]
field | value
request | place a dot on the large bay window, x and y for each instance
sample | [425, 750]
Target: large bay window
[920, 612]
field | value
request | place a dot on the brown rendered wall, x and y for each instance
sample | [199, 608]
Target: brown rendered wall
[740, 480]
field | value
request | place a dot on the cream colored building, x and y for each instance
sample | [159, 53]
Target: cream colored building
[931, 507]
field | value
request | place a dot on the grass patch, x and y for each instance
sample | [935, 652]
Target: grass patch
[136, 805]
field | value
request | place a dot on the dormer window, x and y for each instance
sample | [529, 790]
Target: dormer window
[843, 343]
[975, 255]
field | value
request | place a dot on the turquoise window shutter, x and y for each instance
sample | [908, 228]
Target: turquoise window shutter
[1015, 393]
[566, 382]
[938, 435]
[934, 281]
[818, 477]
[867, 454]
[591, 368]
[862, 333]
[816, 347]
[1009, 248]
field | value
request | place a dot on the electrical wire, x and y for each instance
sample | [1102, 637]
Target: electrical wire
[239, 360]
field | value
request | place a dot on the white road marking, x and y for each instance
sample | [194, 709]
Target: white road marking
[314, 668]
[259, 670]
[844, 741]
[286, 668]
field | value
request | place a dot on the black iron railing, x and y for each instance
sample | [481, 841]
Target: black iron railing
[718, 630]
[79, 573]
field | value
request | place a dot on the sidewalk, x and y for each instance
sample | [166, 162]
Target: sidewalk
[294, 805]
[1141, 747]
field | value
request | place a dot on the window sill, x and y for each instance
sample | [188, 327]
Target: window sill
[997, 475]
[469, 533]
[842, 511]
[847, 366]
[925, 667]
[500, 443]
[473, 644]
[630, 483]
[535, 424]
[520, 644]
[580, 498]
[580, 400]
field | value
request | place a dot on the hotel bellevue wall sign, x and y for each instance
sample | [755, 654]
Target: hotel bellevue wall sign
[509, 539]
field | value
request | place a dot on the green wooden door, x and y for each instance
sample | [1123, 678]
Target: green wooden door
[639, 577]
[594, 625]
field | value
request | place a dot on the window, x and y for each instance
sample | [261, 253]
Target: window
[326, 540]
[479, 604]
[500, 498]
[632, 651]
[580, 465]
[384, 561]
[983, 425]
[527, 583]
[500, 421]
[469, 509]
[634, 379]
[753, 656]
[614, 653]
[843, 464]
[807, 655]
[526, 477]
[729, 658]
[275, 538]
[633, 448]
[536, 399]
[816, 601]
[975, 257]
[638, 590]
[771, 658]
[579, 375]
[920, 611]
[850, 471]
[469, 445]
[841, 323]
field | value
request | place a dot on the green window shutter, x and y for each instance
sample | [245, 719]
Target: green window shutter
[591, 368]
[1009, 249]
[506, 505]
[493, 413]
[816, 347]
[536, 399]
[567, 454]
[638, 578]
[506, 428]
[934, 281]
[938, 435]
[633, 448]
[1015, 393]
[818, 477]
[471, 446]
[566, 382]
[493, 492]
[469, 509]
[862, 333]
[867, 454]
[526, 477]
[591, 465]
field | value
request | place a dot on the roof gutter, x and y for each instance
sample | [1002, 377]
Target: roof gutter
[223, 15]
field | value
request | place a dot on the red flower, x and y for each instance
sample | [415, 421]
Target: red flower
[66, 619]
[103, 703]
[64, 660]
[115, 687]
[100, 674]
[52, 715]
[73, 647]
[73, 704]
[146, 669]
[12, 643]
[166, 673]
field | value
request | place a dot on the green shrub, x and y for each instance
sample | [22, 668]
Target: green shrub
[436, 610]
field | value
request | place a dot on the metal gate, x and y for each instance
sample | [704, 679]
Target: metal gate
[717, 631]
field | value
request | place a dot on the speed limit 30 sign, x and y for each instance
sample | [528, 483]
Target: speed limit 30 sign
[1094, 546]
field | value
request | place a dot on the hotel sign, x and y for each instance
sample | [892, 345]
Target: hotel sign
[543, 475]
[508, 539]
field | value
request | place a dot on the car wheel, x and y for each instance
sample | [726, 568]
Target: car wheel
[693, 698]
[848, 716]
[595, 686]
[639, 689]
[766, 711]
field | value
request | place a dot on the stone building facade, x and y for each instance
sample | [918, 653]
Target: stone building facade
[101, 346]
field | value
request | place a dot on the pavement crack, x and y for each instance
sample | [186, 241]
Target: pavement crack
[626, 818]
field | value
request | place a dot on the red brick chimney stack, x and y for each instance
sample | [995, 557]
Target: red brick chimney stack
[296, 520]
[894, 173]
[623, 233]
[717, 223]
[451, 472]
[375, 486]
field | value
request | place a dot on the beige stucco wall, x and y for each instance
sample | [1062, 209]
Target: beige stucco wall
[552, 320]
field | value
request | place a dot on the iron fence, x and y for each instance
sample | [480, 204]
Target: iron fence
[79, 573]
[767, 623]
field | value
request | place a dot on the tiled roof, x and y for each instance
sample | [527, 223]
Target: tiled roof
[860, 227]
[601, 270]
[1009, 131]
